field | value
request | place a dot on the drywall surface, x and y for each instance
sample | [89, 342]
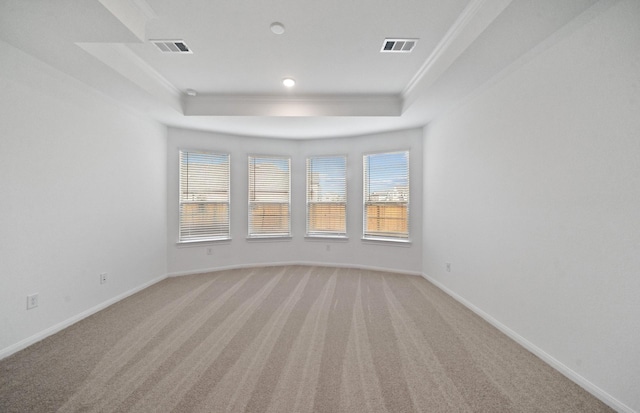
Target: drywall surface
[532, 194]
[240, 251]
[83, 187]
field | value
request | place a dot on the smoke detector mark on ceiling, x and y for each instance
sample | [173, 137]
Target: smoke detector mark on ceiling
[172, 46]
[398, 45]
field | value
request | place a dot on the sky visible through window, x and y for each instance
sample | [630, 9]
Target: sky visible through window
[204, 158]
[280, 163]
[204, 196]
[269, 179]
[328, 178]
[387, 171]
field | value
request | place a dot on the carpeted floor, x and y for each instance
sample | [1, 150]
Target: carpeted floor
[285, 339]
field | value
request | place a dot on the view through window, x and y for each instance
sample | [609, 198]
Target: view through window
[269, 196]
[386, 195]
[326, 196]
[204, 196]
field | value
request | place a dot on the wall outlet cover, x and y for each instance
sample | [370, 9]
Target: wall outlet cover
[32, 301]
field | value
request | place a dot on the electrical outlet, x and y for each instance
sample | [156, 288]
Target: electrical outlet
[448, 266]
[209, 251]
[103, 278]
[32, 301]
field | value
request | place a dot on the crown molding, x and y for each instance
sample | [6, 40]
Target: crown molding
[474, 19]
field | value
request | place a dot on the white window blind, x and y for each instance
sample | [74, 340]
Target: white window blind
[326, 196]
[204, 196]
[269, 196]
[386, 195]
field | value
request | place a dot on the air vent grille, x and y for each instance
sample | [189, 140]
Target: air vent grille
[172, 46]
[398, 45]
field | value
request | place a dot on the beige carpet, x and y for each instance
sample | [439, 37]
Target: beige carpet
[285, 339]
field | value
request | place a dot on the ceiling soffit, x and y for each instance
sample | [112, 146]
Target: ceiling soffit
[106, 45]
[134, 14]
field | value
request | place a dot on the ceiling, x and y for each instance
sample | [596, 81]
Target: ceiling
[345, 85]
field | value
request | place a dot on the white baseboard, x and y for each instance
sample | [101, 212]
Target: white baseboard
[562, 368]
[362, 267]
[279, 264]
[14, 348]
[227, 267]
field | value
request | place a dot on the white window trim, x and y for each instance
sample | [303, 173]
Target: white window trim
[216, 239]
[327, 235]
[267, 237]
[382, 239]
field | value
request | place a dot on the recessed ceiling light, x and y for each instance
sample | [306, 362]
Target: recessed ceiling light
[277, 28]
[191, 92]
[288, 82]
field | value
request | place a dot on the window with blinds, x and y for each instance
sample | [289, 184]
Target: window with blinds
[204, 196]
[386, 196]
[269, 196]
[327, 196]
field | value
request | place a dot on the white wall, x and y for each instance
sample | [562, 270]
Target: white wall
[533, 194]
[82, 191]
[239, 251]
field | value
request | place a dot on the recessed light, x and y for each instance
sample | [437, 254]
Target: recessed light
[288, 82]
[277, 28]
[191, 92]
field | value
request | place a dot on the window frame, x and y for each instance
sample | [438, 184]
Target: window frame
[325, 234]
[275, 235]
[386, 236]
[212, 238]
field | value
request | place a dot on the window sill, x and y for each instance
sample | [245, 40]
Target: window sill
[341, 238]
[388, 241]
[273, 238]
[195, 243]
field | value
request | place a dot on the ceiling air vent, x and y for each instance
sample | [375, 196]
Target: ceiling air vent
[398, 45]
[171, 46]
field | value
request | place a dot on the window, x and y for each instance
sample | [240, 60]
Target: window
[269, 196]
[204, 196]
[386, 196]
[326, 196]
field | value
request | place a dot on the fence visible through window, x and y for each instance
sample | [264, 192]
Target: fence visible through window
[386, 195]
[269, 196]
[204, 196]
[326, 196]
